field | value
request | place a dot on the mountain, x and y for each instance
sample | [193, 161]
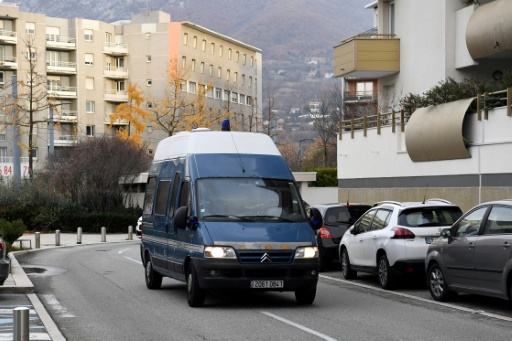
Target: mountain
[296, 36]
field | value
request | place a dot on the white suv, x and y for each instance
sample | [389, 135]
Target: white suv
[392, 238]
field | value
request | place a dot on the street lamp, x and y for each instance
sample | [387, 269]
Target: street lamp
[52, 143]
[300, 151]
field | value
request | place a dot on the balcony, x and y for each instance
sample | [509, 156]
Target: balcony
[367, 55]
[8, 37]
[360, 96]
[115, 49]
[60, 43]
[113, 95]
[65, 140]
[118, 73]
[54, 66]
[64, 116]
[118, 122]
[9, 63]
[58, 91]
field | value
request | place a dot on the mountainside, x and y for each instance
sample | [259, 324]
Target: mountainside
[290, 33]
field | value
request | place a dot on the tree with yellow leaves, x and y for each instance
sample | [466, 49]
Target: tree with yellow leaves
[132, 112]
[183, 104]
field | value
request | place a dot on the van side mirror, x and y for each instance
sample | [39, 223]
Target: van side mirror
[315, 217]
[180, 218]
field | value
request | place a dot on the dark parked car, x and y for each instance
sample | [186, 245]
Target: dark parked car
[5, 262]
[474, 255]
[330, 222]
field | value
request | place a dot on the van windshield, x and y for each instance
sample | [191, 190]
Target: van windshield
[248, 199]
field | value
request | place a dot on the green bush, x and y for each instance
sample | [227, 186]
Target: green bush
[325, 177]
[12, 230]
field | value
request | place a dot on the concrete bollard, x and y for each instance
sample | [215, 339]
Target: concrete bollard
[130, 232]
[38, 240]
[103, 234]
[21, 324]
[57, 237]
[79, 235]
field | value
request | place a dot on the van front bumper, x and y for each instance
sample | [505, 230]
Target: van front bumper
[231, 274]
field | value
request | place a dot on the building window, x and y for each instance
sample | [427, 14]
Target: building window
[192, 87]
[149, 82]
[210, 71]
[90, 106]
[87, 35]
[242, 99]
[212, 48]
[228, 74]
[148, 58]
[33, 153]
[89, 59]
[237, 56]
[226, 95]
[3, 154]
[220, 50]
[2, 137]
[234, 97]
[184, 62]
[148, 35]
[250, 81]
[218, 93]
[201, 69]
[2, 79]
[364, 89]
[391, 17]
[219, 72]
[31, 54]
[243, 79]
[252, 61]
[185, 39]
[195, 42]
[203, 47]
[30, 28]
[244, 58]
[89, 83]
[229, 54]
[235, 79]
[89, 130]
[248, 100]
[193, 66]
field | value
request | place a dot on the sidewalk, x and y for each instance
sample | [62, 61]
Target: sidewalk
[21, 290]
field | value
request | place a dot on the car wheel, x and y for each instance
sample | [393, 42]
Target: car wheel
[153, 278]
[305, 296]
[195, 295]
[322, 258]
[437, 284]
[346, 270]
[387, 278]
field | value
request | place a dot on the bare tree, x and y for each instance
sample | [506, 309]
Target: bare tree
[325, 121]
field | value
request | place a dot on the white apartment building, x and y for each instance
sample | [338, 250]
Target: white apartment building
[454, 151]
[88, 64]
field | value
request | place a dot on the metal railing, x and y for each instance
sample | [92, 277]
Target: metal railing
[57, 40]
[60, 64]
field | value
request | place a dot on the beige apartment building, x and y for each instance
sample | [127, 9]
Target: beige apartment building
[88, 64]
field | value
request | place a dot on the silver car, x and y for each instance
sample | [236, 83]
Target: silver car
[474, 255]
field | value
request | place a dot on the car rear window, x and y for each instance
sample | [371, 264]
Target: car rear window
[429, 216]
[345, 214]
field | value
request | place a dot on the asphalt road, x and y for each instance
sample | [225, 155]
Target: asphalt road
[98, 292]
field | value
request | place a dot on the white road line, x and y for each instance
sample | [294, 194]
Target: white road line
[133, 260]
[56, 306]
[448, 305]
[121, 251]
[296, 325]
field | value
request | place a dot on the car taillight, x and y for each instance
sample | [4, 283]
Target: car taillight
[324, 233]
[402, 233]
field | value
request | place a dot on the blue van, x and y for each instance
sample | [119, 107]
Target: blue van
[222, 211]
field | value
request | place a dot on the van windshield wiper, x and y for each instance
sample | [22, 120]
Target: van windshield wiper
[274, 217]
[227, 216]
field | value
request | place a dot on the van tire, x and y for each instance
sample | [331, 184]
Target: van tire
[195, 295]
[153, 278]
[305, 296]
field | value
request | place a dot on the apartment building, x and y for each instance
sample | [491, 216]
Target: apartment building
[454, 150]
[87, 65]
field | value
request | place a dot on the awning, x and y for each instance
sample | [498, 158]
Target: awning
[434, 133]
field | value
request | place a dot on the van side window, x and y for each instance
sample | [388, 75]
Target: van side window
[173, 195]
[149, 196]
[185, 194]
[162, 195]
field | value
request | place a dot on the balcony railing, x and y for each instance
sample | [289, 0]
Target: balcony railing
[120, 72]
[69, 116]
[65, 140]
[118, 122]
[56, 41]
[113, 48]
[8, 36]
[8, 62]
[62, 91]
[360, 96]
[114, 95]
[59, 66]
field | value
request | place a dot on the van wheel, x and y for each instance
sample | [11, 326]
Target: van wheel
[195, 295]
[387, 278]
[346, 270]
[153, 278]
[437, 284]
[305, 296]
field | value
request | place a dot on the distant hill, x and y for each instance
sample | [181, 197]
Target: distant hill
[289, 32]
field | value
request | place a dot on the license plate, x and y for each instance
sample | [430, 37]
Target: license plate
[266, 284]
[428, 240]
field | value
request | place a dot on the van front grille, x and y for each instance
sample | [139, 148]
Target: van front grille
[264, 257]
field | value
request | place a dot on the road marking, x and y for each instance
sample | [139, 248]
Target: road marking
[121, 251]
[447, 305]
[296, 325]
[57, 307]
[133, 260]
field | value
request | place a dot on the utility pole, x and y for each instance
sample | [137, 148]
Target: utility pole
[16, 151]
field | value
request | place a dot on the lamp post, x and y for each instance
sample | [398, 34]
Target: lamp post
[300, 151]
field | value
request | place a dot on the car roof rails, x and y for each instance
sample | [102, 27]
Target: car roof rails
[440, 200]
[388, 202]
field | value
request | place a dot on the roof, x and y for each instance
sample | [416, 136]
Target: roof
[204, 141]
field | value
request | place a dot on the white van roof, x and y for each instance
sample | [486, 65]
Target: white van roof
[215, 142]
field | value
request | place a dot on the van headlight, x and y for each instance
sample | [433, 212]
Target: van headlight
[219, 252]
[306, 252]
